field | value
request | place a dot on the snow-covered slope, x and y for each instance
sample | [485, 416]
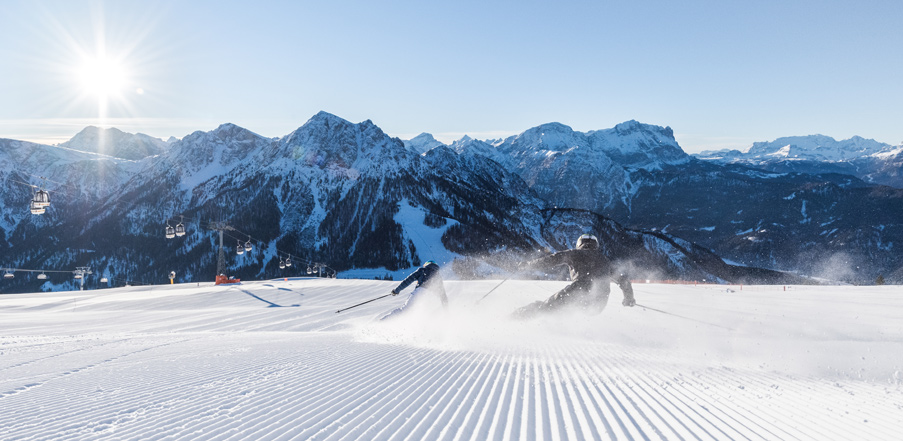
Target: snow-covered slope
[273, 360]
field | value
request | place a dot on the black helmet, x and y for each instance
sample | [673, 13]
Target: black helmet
[587, 241]
[428, 262]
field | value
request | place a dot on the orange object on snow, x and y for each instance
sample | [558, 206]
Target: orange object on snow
[221, 279]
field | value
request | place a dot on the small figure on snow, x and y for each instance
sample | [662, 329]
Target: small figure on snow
[591, 273]
[428, 279]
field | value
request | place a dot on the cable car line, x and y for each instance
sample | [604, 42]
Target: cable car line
[248, 246]
[9, 273]
[41, 200]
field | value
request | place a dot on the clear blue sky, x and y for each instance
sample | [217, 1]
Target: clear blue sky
[720, 73]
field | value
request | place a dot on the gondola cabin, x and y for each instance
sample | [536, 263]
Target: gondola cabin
[41, 199]
[36, 209]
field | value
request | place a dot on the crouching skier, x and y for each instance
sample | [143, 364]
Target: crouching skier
[428, 279]
[591, 273]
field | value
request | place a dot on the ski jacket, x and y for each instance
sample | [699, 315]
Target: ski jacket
[587, 266]
[426, 276]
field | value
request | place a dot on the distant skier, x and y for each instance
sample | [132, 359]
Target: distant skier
[591, 273]
[428, 279]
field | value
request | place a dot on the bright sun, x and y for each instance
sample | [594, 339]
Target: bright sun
[102, 77]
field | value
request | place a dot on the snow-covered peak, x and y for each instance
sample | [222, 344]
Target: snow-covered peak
[816, 148]
[628, 127]
[422, 143]
[323, 123]
[326, 118]
[631, 131]
[206, 155]
[327, 141]
[232, 132]
[548, 137]
[630, 143]
[639, 145]
[114, 142]
[468, 145]
[226, 127]
[227, 133]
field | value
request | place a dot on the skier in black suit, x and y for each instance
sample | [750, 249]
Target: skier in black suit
[428, 279]
[591, 273]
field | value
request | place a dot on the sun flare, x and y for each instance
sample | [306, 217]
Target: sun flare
[102, 77]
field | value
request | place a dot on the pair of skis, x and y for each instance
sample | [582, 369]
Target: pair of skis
[387, 295]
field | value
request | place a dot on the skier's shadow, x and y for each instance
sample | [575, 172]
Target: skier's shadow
[271, 304]
[281, 289]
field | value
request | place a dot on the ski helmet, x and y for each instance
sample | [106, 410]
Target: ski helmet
[587, 241]
[429, 262]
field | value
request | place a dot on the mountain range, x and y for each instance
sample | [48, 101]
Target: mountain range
[820, 221]
[872, 161]
[361, 202]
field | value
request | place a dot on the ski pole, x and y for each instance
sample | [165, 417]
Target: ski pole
[362, 303]
[685, 318]
[491, 290]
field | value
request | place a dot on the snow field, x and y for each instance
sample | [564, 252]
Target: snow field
[272, 360]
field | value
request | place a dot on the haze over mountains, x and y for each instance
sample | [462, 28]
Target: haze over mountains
[365, 203]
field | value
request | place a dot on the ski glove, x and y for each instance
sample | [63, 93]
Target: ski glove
[394, 292]
[629, 301]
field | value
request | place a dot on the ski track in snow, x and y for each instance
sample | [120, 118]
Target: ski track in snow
[273, 360]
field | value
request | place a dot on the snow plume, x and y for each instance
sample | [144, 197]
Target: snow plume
[673, 321]
[808, 342]
[479, 319]
[499, 265]
[836, 267]
[637, 271]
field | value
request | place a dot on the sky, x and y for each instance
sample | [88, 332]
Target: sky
[720, 74]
